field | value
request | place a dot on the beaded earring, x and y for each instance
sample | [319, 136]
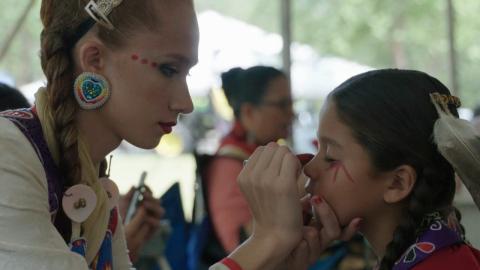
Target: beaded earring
[91, 90]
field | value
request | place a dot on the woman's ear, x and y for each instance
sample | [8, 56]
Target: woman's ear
[400, 184]
[247, 114]
[91, 56]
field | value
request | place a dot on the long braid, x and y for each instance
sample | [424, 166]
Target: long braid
[58, 68]
[430, 186]
[64, 109]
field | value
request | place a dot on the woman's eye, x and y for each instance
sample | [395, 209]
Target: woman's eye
[168, 70]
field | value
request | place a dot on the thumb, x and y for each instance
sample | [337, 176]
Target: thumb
[351, 229]
[129, 194]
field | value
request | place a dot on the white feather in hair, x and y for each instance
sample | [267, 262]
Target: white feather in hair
[459, 143]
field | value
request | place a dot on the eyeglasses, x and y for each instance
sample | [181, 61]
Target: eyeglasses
[282, 104]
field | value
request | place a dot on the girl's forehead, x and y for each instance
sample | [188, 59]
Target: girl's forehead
[332, 129]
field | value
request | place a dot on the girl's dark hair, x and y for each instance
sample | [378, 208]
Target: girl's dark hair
[11, 98]
[390, 114]
[247, 85]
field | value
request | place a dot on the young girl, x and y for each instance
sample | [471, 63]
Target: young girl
[116, 70]
[378, 169]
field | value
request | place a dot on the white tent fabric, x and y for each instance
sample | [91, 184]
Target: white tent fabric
[226, 42]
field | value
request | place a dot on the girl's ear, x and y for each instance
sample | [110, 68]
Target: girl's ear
[401, 184]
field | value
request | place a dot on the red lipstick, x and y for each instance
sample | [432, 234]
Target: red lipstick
[167, 127]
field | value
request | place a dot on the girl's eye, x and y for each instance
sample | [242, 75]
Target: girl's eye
[331, 162]
[168, 70]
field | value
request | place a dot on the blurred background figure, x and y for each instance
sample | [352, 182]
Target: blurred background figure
[261, 100]
[11, 98]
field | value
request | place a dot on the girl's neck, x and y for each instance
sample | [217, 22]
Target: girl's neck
[379, 231]
[99, 138]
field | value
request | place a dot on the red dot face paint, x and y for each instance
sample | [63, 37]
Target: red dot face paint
[135, 57]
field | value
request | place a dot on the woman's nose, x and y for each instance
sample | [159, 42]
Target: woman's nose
[182, 101]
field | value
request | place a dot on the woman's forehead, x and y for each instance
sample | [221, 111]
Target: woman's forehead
[179, 42]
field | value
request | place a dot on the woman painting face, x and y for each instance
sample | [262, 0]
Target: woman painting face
[341, 171]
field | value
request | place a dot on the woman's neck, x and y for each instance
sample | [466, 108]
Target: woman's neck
[379, 231]
[99, 137]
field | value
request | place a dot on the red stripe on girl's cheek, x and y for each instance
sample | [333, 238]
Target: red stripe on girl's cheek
[335, 166]
[135, 57]
[349, 176]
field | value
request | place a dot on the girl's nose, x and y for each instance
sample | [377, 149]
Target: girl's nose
[305, 158]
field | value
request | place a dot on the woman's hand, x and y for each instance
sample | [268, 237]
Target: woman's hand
[144, 223]
[269, 184]
[280, 239]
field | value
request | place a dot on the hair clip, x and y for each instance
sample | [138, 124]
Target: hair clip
[443, 101]
[100, 10]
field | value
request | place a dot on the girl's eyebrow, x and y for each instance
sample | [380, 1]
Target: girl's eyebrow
[328, 140]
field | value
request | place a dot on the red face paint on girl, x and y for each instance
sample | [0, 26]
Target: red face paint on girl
[336, 165]
[349, 176]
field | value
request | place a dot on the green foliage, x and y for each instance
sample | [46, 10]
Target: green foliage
[380, 33]
[22, 61]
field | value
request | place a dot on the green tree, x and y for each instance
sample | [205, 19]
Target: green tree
[22, 60]
[379, 33]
